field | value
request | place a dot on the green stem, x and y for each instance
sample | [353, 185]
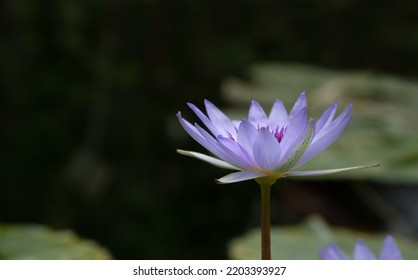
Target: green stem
[265, 221]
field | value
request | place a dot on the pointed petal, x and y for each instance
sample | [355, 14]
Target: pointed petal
[202, 137]
[221, 151]
[236, 124]
[256, 115]
[324, 255]
[345, 114]
[362, 252]
[266, 150]
[326, 171]
[211, 144]
[319, 145]
[192, 131]
[238, 151]
[204, 119]
[278, 115]
[294, 154]
[299, 105]
[246, 135]
[295, 130]
[208, 159]
[219, 119]
[240, 176]
[333, 252]
[326, 117]
[390, 250]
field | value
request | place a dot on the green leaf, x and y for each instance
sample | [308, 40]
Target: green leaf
[40, 242]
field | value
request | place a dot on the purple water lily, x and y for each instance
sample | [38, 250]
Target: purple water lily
[390, 251]
[265, 147]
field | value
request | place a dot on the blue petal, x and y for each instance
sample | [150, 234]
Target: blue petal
[203, 138]
[240, 176]
[295, 152]
[278, 115]
[300, 104]
[266, 150]
[192, 131]
[345, 114]
[205, 119]
[219, 119]
[211, 144]
[324, 255]
[319, 145]
[238, 151]
[333, 252]
[221, 151]
[295, 130]
[390, 250]
[246, 135]
[362, 252]
[326, 117]
[208, 159]
[256, 115]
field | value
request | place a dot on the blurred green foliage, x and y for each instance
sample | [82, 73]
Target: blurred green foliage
[303, 241]
[36, 242]
[89, 92]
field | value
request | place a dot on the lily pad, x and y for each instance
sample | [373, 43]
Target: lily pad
[384, 128]
[303, 241]
[30, 242]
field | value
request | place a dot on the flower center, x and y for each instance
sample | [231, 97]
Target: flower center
[279, 133]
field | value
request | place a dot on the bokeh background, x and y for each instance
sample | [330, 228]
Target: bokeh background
[89, 92]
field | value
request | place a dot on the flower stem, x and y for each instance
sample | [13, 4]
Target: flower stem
[265, 221]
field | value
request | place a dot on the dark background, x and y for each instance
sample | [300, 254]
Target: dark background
[88, 96]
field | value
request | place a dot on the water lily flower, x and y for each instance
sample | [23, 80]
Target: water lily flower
[265, 147]
[390, 251]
